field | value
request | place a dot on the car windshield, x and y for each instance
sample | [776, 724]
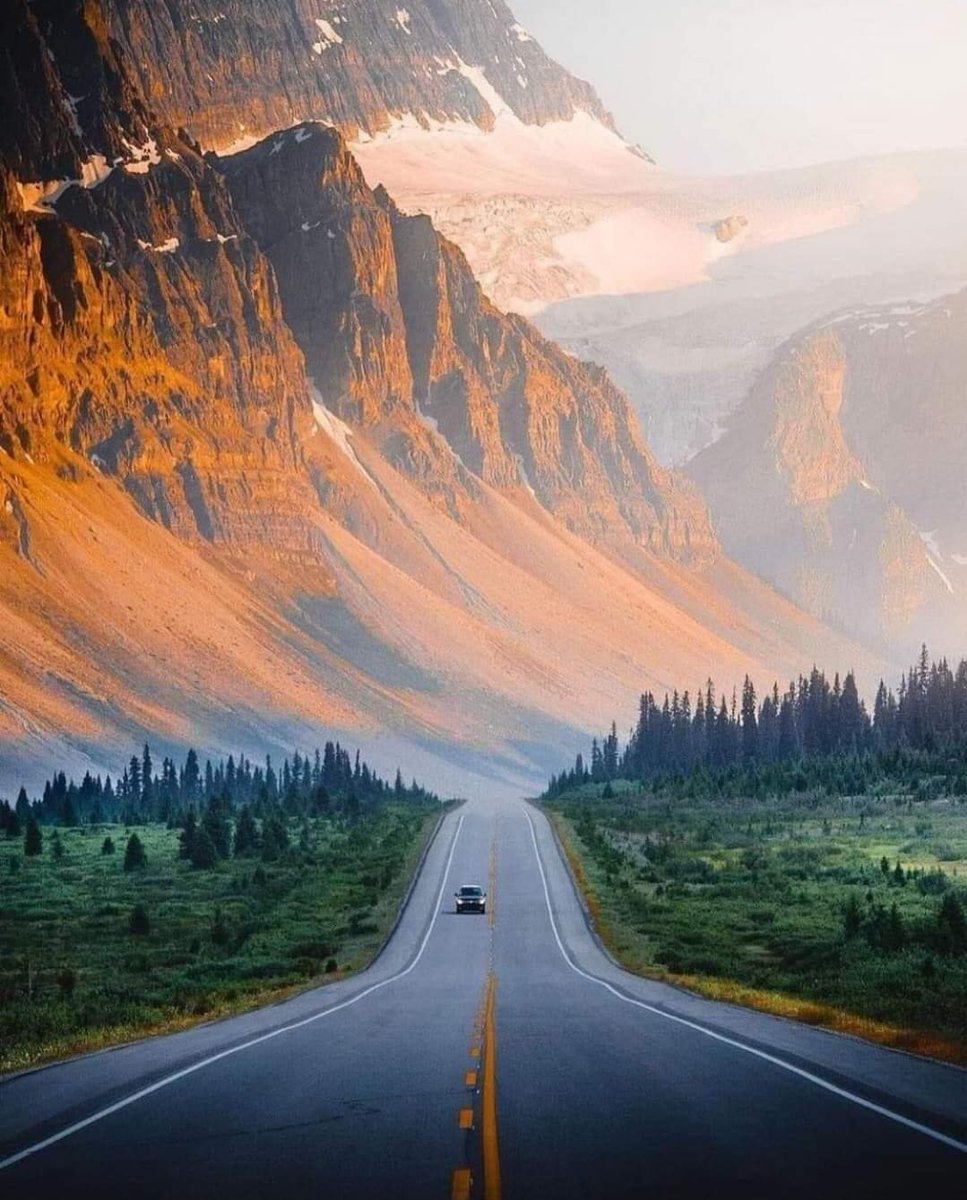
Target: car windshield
[471, 891]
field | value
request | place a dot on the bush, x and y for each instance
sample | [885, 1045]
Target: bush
[107, 846]
[33, 839]
[139, 923]
[951, 925]
[219, 928]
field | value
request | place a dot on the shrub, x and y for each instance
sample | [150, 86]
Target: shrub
[135, 858]
[951, 925]
[33, 839]
[139, 923]
[219, 928]
[107, 846]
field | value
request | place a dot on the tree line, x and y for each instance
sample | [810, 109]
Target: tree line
[329, 781]
[815, 732]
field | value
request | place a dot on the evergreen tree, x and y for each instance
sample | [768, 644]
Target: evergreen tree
[750, 724]
[189, 831]
[69, 812]
[852, 918]
[203, 853]
[33, 839]
[217, 825]
[135, 858]
[147, 781]
[139, 923]
[895, 935]
[107, 846]
[190, 779]
[951, 925]
[246, 833]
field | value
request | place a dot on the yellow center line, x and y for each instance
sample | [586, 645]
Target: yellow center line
[484, 1051]
[491, 1150]
[462, 1182]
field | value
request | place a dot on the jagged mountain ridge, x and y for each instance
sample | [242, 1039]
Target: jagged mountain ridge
[398, 336]
[821, 485]
[204, 64]
[197, 549]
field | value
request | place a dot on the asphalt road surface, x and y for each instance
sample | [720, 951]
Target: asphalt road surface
[489, 1056]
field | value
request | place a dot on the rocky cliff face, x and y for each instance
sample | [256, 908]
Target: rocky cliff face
[400, 340]
[841, 480]
[76, 104]
[231, 69]
[152, 349]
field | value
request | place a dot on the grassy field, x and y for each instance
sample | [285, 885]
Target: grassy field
[79, 971]
[795, 906]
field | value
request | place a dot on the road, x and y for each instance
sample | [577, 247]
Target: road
[494, 1056]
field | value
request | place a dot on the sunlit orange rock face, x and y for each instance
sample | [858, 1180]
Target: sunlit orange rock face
[224, 70]
[272, 466]
[399, 336]
[841, 478]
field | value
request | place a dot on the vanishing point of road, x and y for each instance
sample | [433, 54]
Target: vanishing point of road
[489, 1056]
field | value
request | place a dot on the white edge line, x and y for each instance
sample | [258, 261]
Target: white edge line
[265, 1037]
[718, 1037]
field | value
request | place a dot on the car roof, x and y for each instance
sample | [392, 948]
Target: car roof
[471, 887]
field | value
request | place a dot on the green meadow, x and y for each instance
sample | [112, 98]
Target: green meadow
[848, 912]
[92, 954]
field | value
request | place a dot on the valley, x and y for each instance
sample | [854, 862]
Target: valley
[272, 459]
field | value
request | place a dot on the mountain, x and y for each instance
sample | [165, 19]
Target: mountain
[841, 477]
[270, 460]
[454, 96]
[687, 351]
[235, 70]
[402, 343]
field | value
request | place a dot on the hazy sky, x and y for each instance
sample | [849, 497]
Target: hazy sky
[731, 85]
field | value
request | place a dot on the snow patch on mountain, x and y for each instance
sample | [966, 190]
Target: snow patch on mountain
[168, 246]
[943, 577]
[142, 157]
[339, 432]
[416, 158]
[494, 101]
[42, 195]
[332, 38]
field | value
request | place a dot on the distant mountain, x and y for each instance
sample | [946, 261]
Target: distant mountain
[841, 478]
[270, 460]
[687, 350]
